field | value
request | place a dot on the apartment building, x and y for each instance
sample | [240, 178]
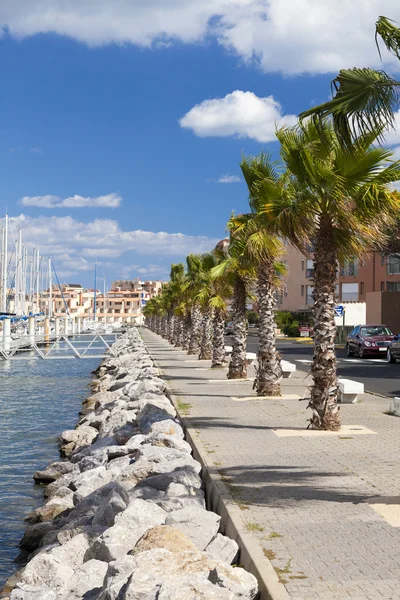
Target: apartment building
[123, 303]
[377, 272]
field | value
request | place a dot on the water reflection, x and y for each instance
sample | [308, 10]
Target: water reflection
[38, 399]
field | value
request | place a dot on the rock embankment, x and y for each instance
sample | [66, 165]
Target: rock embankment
[125, 517]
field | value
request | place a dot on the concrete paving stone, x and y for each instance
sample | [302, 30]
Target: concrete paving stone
[312, 491]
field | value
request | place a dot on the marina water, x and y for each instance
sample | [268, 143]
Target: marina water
[38, 400]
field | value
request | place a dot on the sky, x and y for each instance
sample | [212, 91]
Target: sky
[123, 122]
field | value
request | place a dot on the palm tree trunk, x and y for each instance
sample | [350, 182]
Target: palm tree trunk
[186, 331]
[268, 369]
[323, 370]
[178, 326]
[206, 335]
[218, 351]
[159, 325]
[164, 327]
[238, 365]
[171, 326]
[194, 344]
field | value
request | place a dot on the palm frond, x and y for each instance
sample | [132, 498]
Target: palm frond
[390, 35]
[365, 101]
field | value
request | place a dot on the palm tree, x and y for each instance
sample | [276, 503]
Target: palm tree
[365, 100]
[264, 248]
[340, 202]
[193, 284]
[213, 297]
[174, 292]
[239, 269]
[207, 262]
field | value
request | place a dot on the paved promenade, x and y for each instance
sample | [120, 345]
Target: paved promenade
[324, 508]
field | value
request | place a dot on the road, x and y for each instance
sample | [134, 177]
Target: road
[375, 373]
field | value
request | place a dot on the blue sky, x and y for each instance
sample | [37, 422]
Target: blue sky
[106, 139]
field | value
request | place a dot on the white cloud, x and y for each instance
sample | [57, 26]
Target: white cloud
[229, 179]
[239, 114]
[314, 36]
[49, 201]
[68, 240]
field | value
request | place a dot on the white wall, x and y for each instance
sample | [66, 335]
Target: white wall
[355, 314]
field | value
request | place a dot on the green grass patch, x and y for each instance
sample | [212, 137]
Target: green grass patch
[285, 571]
[254, 527]
[270, 554]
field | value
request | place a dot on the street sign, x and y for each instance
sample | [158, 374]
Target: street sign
[339, 310]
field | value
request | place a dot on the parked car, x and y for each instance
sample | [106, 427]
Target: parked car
[393, 352]
[229, 328]
[368, 340]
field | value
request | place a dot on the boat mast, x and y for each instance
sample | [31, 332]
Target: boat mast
[50, 291]
[37, 279]
[31, 306]
[5, 265]
[95, 297]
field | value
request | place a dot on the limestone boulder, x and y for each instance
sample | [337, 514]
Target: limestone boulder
[199, 525]
[187, 476]
[170, 441]
[81, 436]
[45, 570]
[223, 548]
[54, 471]
[72, 552]
[115, 503]
[164, 536]
[34, 534]
[29, 592]
[89, 481]
[144, 577]
[51, 510]
[86, 582]
[129, 527]
[191, 587]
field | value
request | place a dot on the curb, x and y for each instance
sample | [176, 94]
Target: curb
[220, 501]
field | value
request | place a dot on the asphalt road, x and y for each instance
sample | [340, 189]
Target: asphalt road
[375, 373]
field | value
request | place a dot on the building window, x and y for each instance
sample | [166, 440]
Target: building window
[383, 259]
[302, 265]
[382, 286]
[350, 268]
[362, 288]
[310, 269]
[302, 290]
[309, 295]
[393, 286]
[349, 292]
[393, 264]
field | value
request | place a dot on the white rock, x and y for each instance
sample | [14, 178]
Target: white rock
[192, 587]
[89, 577]
[71, 553]
[46, 570]
[129, 527]
[26, 592]
[81, 436]
[223, 548]
[200, 525]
